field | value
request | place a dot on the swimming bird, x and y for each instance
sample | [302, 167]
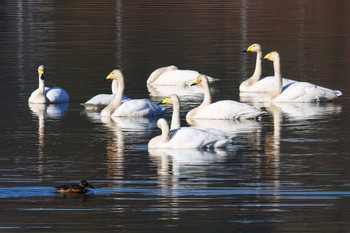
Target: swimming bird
[187, 138]
[102, 100]
[171, 75]
[256, 83]
[223, 109]
[130, 107]
[298, 91]
[74, 188]
[44, 95]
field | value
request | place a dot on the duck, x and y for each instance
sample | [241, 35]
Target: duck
[130, 107]
[298, 91]
[223, 109]
[172, 76]
[46, 95]
[186, 138]
[256, 83]
[102, 100]
[74, 188]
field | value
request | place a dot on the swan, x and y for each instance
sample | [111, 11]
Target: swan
[256, 83]
[224, 109]
[298, 91]
[102, 100]
[187, 138]
[172, 76]
[175, 119]
[130, 107]
[44, 95]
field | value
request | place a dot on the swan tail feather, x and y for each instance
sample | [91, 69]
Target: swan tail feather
[338, 93]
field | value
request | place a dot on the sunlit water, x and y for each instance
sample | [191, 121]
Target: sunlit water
[288, 172]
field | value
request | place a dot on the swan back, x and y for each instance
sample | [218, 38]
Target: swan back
[155, 74]
[187, 137]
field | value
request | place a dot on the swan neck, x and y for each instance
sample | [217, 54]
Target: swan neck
[277, 71]
[207, 94]
[117, 101]
[257, 71]
[164, 137]
[114, 86]
[256, 75]
[41, 86]
[175, 120]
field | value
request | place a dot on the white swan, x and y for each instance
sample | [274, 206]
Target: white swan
[175, 102]
[172, 76]
[44, 94]
[256, 83]
[223, 109]
[130, 107]
[298, 91]
[175, 119]
[102, 100]
[186, 138]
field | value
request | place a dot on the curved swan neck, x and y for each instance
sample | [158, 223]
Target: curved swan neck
[257, 72]
[207, 93]
[117, 101]
[155, 74]
[175, 120]
[279, 82]
[164, 137]
[114, 86]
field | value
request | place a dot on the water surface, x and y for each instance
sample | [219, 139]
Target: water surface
[286, 173]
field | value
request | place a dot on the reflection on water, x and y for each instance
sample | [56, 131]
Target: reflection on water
[287, 172]
[42, 112]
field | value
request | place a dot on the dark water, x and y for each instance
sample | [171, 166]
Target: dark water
[288, 173]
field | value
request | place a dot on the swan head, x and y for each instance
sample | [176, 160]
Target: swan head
[199, 80]
[41, 70]
[171, 99]
[115, 74]
[272, 56]
[255, 48]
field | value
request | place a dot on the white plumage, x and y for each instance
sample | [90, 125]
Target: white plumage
[172, 76]
[298, 91]
[256, 83]
[44, 94]
[130, 107]
[187, 137]
[224, 109]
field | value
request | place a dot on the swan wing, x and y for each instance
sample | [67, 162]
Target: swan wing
[56, 95]
[188, 137]
[306, 92]
[228, 109]
[264, 84]
[178, 77]
[138, 107]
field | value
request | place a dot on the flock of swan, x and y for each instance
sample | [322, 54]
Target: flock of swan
[271, 89]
